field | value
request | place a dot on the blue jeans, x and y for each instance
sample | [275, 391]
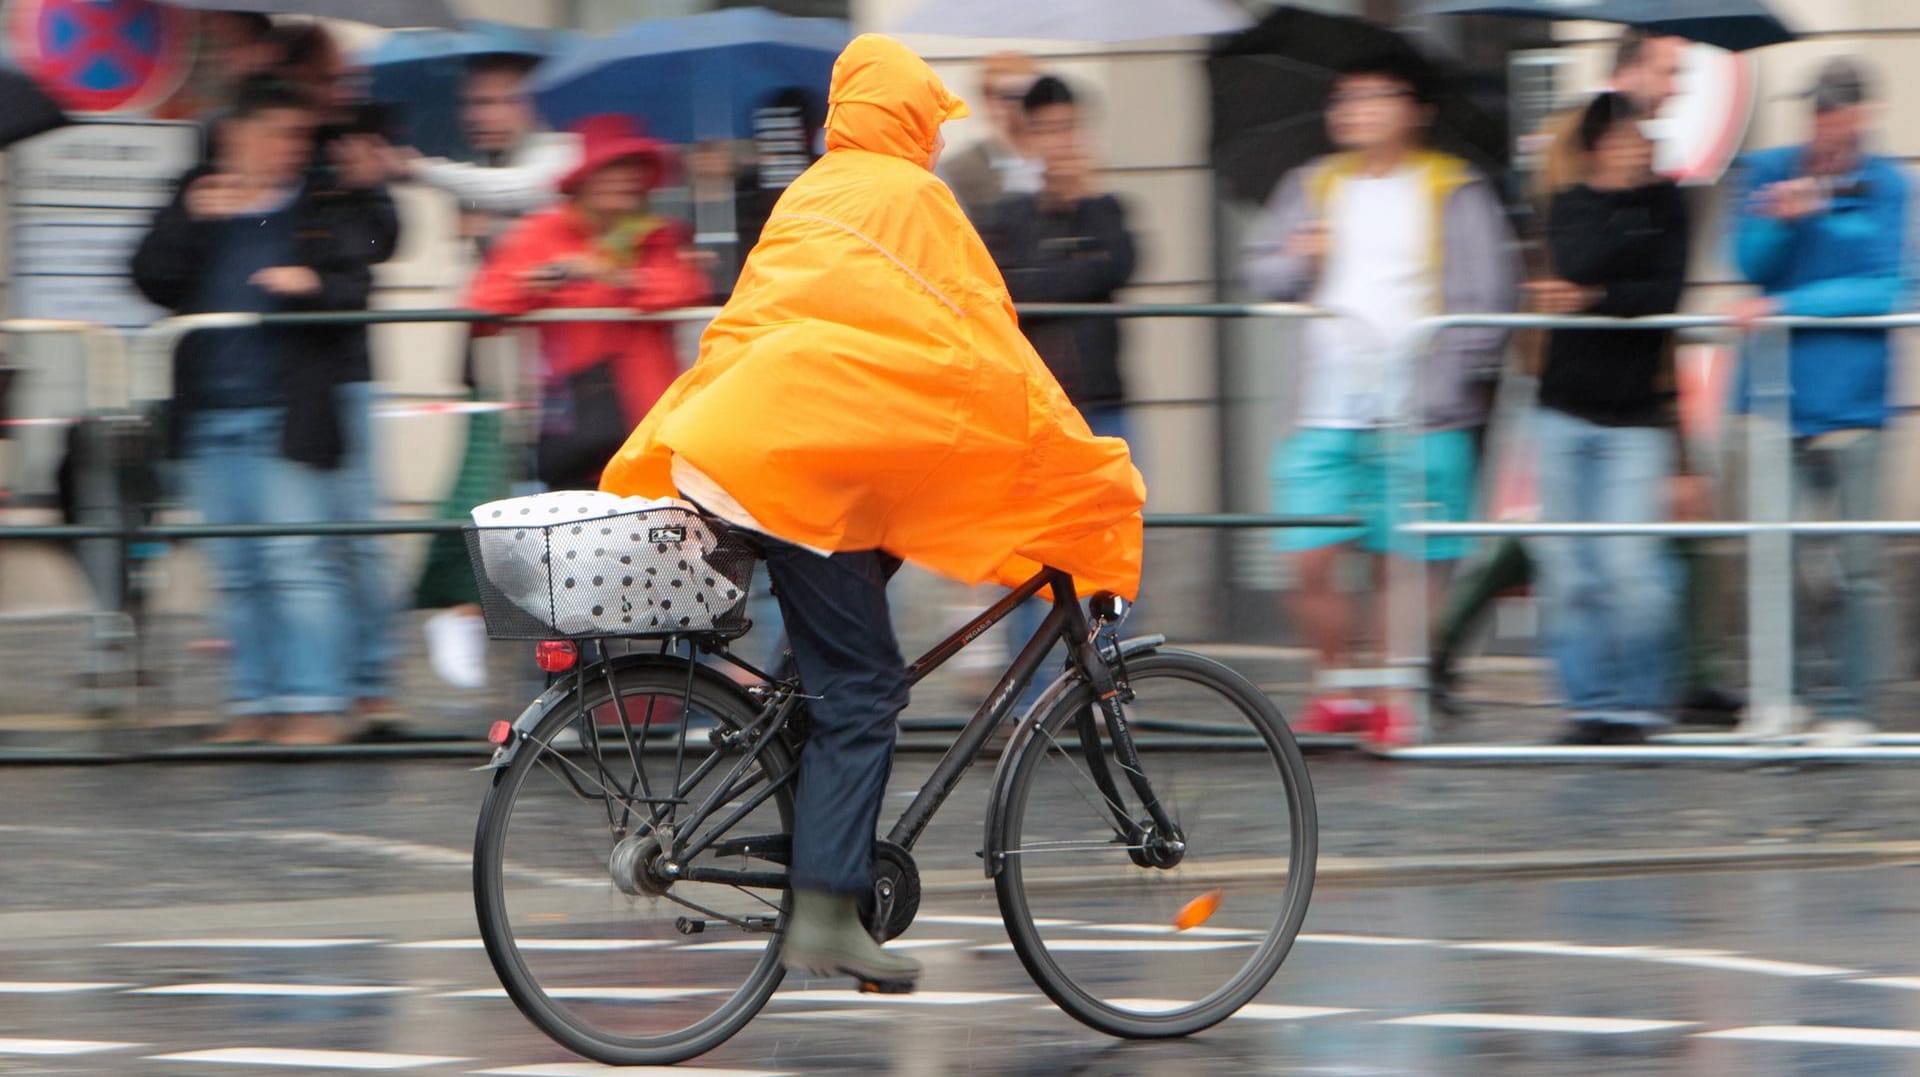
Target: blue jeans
[282, 599]
[1838, 477]
[370, 601]
[1610, 603]
[849, 662]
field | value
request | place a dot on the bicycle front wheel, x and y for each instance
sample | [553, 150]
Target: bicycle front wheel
[611, 943]
[1097, 904]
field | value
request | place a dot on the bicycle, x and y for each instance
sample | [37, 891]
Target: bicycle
[628, 860]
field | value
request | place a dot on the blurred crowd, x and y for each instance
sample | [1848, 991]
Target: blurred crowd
[291, 210]
[1387, 231]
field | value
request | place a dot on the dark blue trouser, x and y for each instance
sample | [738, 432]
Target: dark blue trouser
[841, 633]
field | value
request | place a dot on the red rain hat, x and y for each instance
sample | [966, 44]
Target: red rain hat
[610, 138]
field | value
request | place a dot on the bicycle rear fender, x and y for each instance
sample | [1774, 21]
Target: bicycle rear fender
[995, 843]
[562, 692]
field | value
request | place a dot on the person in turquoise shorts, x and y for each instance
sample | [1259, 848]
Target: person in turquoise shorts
[1383, 233]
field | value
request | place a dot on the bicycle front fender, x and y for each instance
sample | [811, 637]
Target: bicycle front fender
[993, 849]
[562, 693]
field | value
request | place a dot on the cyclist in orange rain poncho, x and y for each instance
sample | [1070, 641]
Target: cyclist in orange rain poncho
[866, 398]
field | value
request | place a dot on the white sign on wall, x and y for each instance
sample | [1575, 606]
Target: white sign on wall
[81, 199]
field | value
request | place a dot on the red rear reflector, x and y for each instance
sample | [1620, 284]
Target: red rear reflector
[556, 655]
[500, 733]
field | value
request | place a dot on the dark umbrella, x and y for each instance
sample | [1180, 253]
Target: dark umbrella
[1077, 20]
[394, 13]
[694, 78]
[25, 109]
[1270, 87]
[1730, 24]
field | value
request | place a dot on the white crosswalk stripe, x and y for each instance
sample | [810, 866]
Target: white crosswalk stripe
[1252, 1011]
[599, 994]
[54, 987]
[59, 1047]
[306, 1059]
[1128, 946]
[1904, 983]
[241, 944]
[1532, 1022]
[918, 998]
[456, 971]
[1827, 1035]
[544, 945]
[274, 990]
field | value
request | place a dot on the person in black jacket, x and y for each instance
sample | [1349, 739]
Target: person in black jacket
[1067, 244]
[257, 411]
[1619, 244]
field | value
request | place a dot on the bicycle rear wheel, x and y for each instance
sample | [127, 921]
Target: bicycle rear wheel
[605, 948]
[1206, 919]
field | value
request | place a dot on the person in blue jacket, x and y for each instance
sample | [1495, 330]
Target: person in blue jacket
[1822, 229]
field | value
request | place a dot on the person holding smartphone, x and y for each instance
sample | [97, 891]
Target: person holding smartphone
[261, 414]
[1822, 229]
[1618, 240]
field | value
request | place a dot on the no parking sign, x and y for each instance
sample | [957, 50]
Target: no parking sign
[102, 55]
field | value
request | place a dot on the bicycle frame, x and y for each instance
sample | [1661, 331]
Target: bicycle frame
[1065, 622]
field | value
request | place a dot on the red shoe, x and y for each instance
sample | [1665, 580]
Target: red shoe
[1389, 726]
[1334, 716]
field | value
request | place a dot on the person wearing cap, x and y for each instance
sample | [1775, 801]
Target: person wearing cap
[600, 247]
[1822, 229]
[866, 398]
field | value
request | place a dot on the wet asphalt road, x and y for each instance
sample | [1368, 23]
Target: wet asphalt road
[315, 919]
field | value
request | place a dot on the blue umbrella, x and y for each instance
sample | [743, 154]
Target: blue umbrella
[420, 71]
[1730, 24]
[695, 78]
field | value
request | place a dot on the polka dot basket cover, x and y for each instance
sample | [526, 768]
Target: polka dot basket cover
[584, 564]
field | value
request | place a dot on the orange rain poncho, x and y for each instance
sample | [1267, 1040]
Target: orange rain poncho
[868, 386]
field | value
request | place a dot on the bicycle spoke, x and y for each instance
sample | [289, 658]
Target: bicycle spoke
[556, 891]
[1082, 780]
[1050, 847]
[1063, 892]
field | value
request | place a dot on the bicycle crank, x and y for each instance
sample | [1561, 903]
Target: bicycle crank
[888, 911]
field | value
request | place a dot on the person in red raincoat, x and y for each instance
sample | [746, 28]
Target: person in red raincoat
[601, 247]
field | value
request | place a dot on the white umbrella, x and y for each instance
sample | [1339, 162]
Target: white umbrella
[1077, 20]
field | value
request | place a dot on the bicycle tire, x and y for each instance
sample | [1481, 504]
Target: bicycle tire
[725, 701]
[1015, 903]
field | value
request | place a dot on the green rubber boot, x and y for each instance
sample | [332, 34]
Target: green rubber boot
[825, 937]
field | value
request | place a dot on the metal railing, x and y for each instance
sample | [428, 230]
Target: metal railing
[1769, 536]
[1771, 708]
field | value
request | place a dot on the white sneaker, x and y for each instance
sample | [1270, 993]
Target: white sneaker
[1844, 733]
[457, 649]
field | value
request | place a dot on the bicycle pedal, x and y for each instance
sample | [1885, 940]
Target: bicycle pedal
[886, 987]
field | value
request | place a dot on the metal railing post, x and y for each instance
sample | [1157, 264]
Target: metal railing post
[1769, 481]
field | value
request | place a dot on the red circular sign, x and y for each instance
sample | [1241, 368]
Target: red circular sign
[102, 55]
